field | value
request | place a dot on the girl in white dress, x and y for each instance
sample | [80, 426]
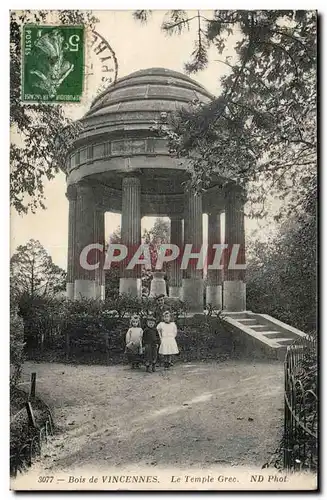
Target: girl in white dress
[167, 330]
[134, 341]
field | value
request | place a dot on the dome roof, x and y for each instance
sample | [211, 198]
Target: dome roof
[118, 137]
[144, 94]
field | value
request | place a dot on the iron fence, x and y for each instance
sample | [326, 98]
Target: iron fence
[300, 440]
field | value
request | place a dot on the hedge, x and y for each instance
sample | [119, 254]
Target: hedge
[90, 331]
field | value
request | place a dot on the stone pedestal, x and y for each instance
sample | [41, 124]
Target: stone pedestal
[234, 290]
[130, 281]
[175, 292]
[70, 290]
[234, 296]
[214, 276]
[174, 268]
[192, 293]
[130, 286]
[192, 283]
[158, 284]
[85, 289]
[214, 296]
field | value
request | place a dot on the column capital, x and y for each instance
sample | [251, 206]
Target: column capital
[85, 189]
[190, 191]
[131, 180]
[238, 192]
[214, 212]
[71, 192]
[177, 217]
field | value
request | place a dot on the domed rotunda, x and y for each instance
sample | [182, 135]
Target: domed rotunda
[118, 163]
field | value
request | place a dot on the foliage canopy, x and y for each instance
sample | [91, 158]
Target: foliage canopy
[261, 130]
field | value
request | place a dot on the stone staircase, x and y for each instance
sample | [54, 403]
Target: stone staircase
[261, 333]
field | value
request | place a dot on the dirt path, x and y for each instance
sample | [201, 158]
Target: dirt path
[195, 414]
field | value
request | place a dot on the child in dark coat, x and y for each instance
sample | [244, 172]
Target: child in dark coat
[151, 342]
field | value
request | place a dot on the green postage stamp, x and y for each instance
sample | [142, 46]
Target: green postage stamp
[52, 63]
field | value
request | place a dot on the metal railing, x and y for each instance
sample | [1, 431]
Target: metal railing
[300, 440]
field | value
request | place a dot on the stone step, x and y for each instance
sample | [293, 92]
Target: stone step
[272, 334]
[266, 329]
[247, 321]
[236, 315]
[284, 341]
[263, 335]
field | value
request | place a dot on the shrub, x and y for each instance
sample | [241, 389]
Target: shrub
[177, 307]
[91, 330]
[203, 337]
[42, 317]
[96, 330]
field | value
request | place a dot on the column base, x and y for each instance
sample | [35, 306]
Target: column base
[214, 296]
[130, 286]
[85, 289]
[70, 290]
[97, 291]
[192, 293]
[175, 292]
[234, 299]
[158, 285]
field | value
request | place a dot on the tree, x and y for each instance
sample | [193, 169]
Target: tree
[115, 237]
[38, 153]
[261, 130]
[33, 273]
[153, 237]
[281, 273]
[112, 275]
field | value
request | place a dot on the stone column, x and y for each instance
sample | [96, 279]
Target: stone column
[214, 276]
[85, 279]
[71, 195]
[174, 269]
[234, 293]
[99, 238]
[130, 280]
[192, 283]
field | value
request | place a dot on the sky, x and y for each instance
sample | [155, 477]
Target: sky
[137, 46]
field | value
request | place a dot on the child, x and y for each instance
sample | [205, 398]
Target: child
[134, 341]
[159, 308]
[151, 341]
[167, 330]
